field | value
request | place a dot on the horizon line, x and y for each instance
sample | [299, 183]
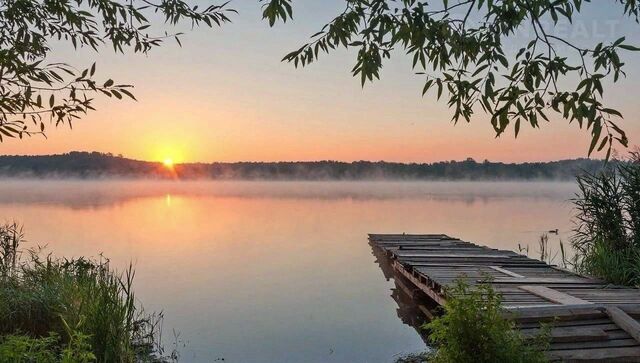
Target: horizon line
[118, 155]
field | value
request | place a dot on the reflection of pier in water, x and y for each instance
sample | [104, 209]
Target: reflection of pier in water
[414, 308]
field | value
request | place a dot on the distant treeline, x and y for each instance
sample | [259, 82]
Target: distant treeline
[101, 165]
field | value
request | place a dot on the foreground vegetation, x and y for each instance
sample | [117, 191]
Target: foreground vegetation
[473, 329]
[607, 235]
[70, 311]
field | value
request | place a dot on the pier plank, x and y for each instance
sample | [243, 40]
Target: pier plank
[545, 280]
[625, 354]
[570, 334]
[624, 321]
[554, 295]
[506, 272]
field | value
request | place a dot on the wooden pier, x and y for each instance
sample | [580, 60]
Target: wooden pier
[590, 320]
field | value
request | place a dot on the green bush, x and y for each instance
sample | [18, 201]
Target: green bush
[42, 298]
[25, 349]
[474, 330]
[607, 236]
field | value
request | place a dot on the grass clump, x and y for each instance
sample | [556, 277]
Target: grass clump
[473, 330]
[25, 349]
[607, 233]
[77, 310]
[22, 348]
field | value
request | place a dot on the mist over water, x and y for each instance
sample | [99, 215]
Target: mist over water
[275, 271]
[106, 193]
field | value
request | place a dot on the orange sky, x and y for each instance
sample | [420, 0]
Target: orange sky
[225, 96]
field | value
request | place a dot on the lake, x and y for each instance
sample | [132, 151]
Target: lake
[276, 271]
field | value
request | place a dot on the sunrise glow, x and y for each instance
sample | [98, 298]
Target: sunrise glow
[168, 162]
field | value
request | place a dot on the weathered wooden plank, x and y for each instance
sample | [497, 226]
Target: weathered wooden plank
[427, 290]
[503, 262]
[401, 237]
[567, 323]
[544, 280]
[428, 313]
[553, 295]
[515, 299]
[408, 289]
[428, 244]
[606, 292]
[461, 263]
[633, 310]
[609, 343]
[445, 250]
[413, 253]
[570, 334]
[525, 302]
[604, 324]
[541, 273]
[506, 272]
[623, 354]
[555, 312]
[624, 321]
[415, 261]
[410, 238]
[439, 248]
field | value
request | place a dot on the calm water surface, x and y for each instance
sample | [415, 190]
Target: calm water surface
[275, 271]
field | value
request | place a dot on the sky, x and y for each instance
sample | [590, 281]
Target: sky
[226, 96]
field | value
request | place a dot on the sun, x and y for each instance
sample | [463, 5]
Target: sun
[168, 156]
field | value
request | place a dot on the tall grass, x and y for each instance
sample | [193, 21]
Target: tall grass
[545, 252]
[74, 300]
[607, 233]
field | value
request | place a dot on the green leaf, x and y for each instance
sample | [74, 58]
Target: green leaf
[629, 47]
[612, 112]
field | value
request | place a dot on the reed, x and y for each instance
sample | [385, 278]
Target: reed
[75, 301]
[607, 233]
[546, 252]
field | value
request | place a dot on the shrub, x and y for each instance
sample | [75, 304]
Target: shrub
[607, 236]
[473, 329]
[42, 298]
[25, 349]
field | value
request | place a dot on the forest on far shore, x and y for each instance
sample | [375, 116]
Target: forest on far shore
[89, 165]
